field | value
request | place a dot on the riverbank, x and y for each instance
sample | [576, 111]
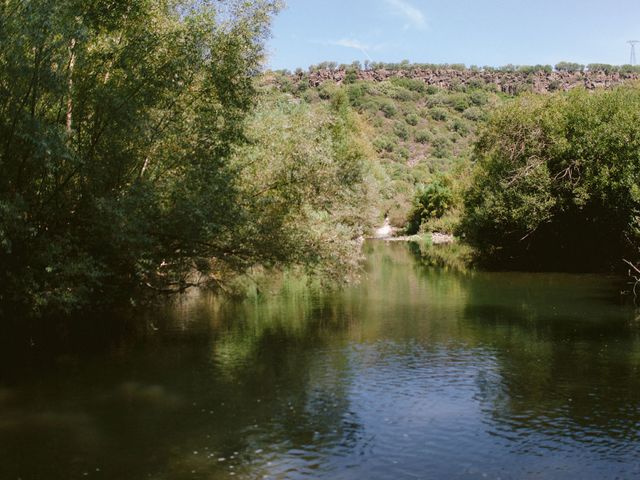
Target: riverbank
[389, 233]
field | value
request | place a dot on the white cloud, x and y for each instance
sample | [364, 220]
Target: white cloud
[413, 15]
[350, 43]
[354, 44]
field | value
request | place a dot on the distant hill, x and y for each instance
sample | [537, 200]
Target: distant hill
[510, 82]
[421, 121]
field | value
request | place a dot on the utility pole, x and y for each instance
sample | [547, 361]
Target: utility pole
[633, 43]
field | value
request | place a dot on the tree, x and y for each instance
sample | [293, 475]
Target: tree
[557, 181]
[307, 186]
[119, 122]
[569, 67]
[431, 202]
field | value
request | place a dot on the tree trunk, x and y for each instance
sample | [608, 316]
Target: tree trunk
[72, 63]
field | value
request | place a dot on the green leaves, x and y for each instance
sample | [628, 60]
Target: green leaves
[431, 202]
[118, 123]
[305, 185]
[557, 177]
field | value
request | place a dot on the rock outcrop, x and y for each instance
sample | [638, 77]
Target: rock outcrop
[506, 82]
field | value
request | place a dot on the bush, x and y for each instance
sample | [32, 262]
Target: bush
[431, 202]
[459, 126]
[311, 96]
[356, 93]
[423, 136]
[459, 101]
[436, 100]
[439, 114]
[476, 83]
[412, 119]
[441, 147]
[404, 153]
[410, 84]
[385, 144]
[401, 131]
[351, 76]
[390, 89]
[327, 90]
[387, 107]
[558, 181]
[473, 113]
[479, 98]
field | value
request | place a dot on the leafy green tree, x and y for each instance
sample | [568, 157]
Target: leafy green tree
[569, 67]
[307, 184]
[557, 181]
[431, 202]
[119, 174]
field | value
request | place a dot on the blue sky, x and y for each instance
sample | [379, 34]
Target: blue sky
[474, 32]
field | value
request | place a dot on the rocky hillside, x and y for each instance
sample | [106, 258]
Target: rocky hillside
[506, 82]
[421, 123]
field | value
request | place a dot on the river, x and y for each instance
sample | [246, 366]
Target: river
[414, 372]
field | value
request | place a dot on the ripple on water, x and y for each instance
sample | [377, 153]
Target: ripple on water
[411, 410]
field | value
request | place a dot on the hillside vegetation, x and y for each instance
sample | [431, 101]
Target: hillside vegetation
[532, 181]
[420, 134]
[143, 151]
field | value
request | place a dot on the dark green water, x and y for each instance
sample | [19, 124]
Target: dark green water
[414, 373]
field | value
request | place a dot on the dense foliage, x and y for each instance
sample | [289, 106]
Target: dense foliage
[306, 173]
[418, 132]
[142, 151]
[432, 202]
[124, 163]
[558, 182]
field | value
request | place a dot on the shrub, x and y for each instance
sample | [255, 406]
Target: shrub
[351, 76]
[437, 100]
[311, 96]
[439, 114]
[387, 107]
[557, 182]
[479, 98]
[476, 83]
[327, 90]
[423, 136]
[431, 202]
[459, 101]
[385, 144]
[473, 113]
[401, 130]
[441, 146]
[412, 119]
[404, 153]
[411, 84]
[357, 93]
[459, 126]
[396, 92]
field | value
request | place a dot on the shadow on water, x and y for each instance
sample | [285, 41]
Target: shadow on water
[415, 371]
[217, 388]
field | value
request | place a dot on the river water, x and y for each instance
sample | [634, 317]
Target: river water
[415, 372]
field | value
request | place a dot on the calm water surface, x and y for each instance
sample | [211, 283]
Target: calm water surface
[414, 373]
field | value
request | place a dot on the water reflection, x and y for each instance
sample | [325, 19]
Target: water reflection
[415, 372]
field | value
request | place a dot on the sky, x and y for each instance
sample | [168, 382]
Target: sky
[473, 32]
